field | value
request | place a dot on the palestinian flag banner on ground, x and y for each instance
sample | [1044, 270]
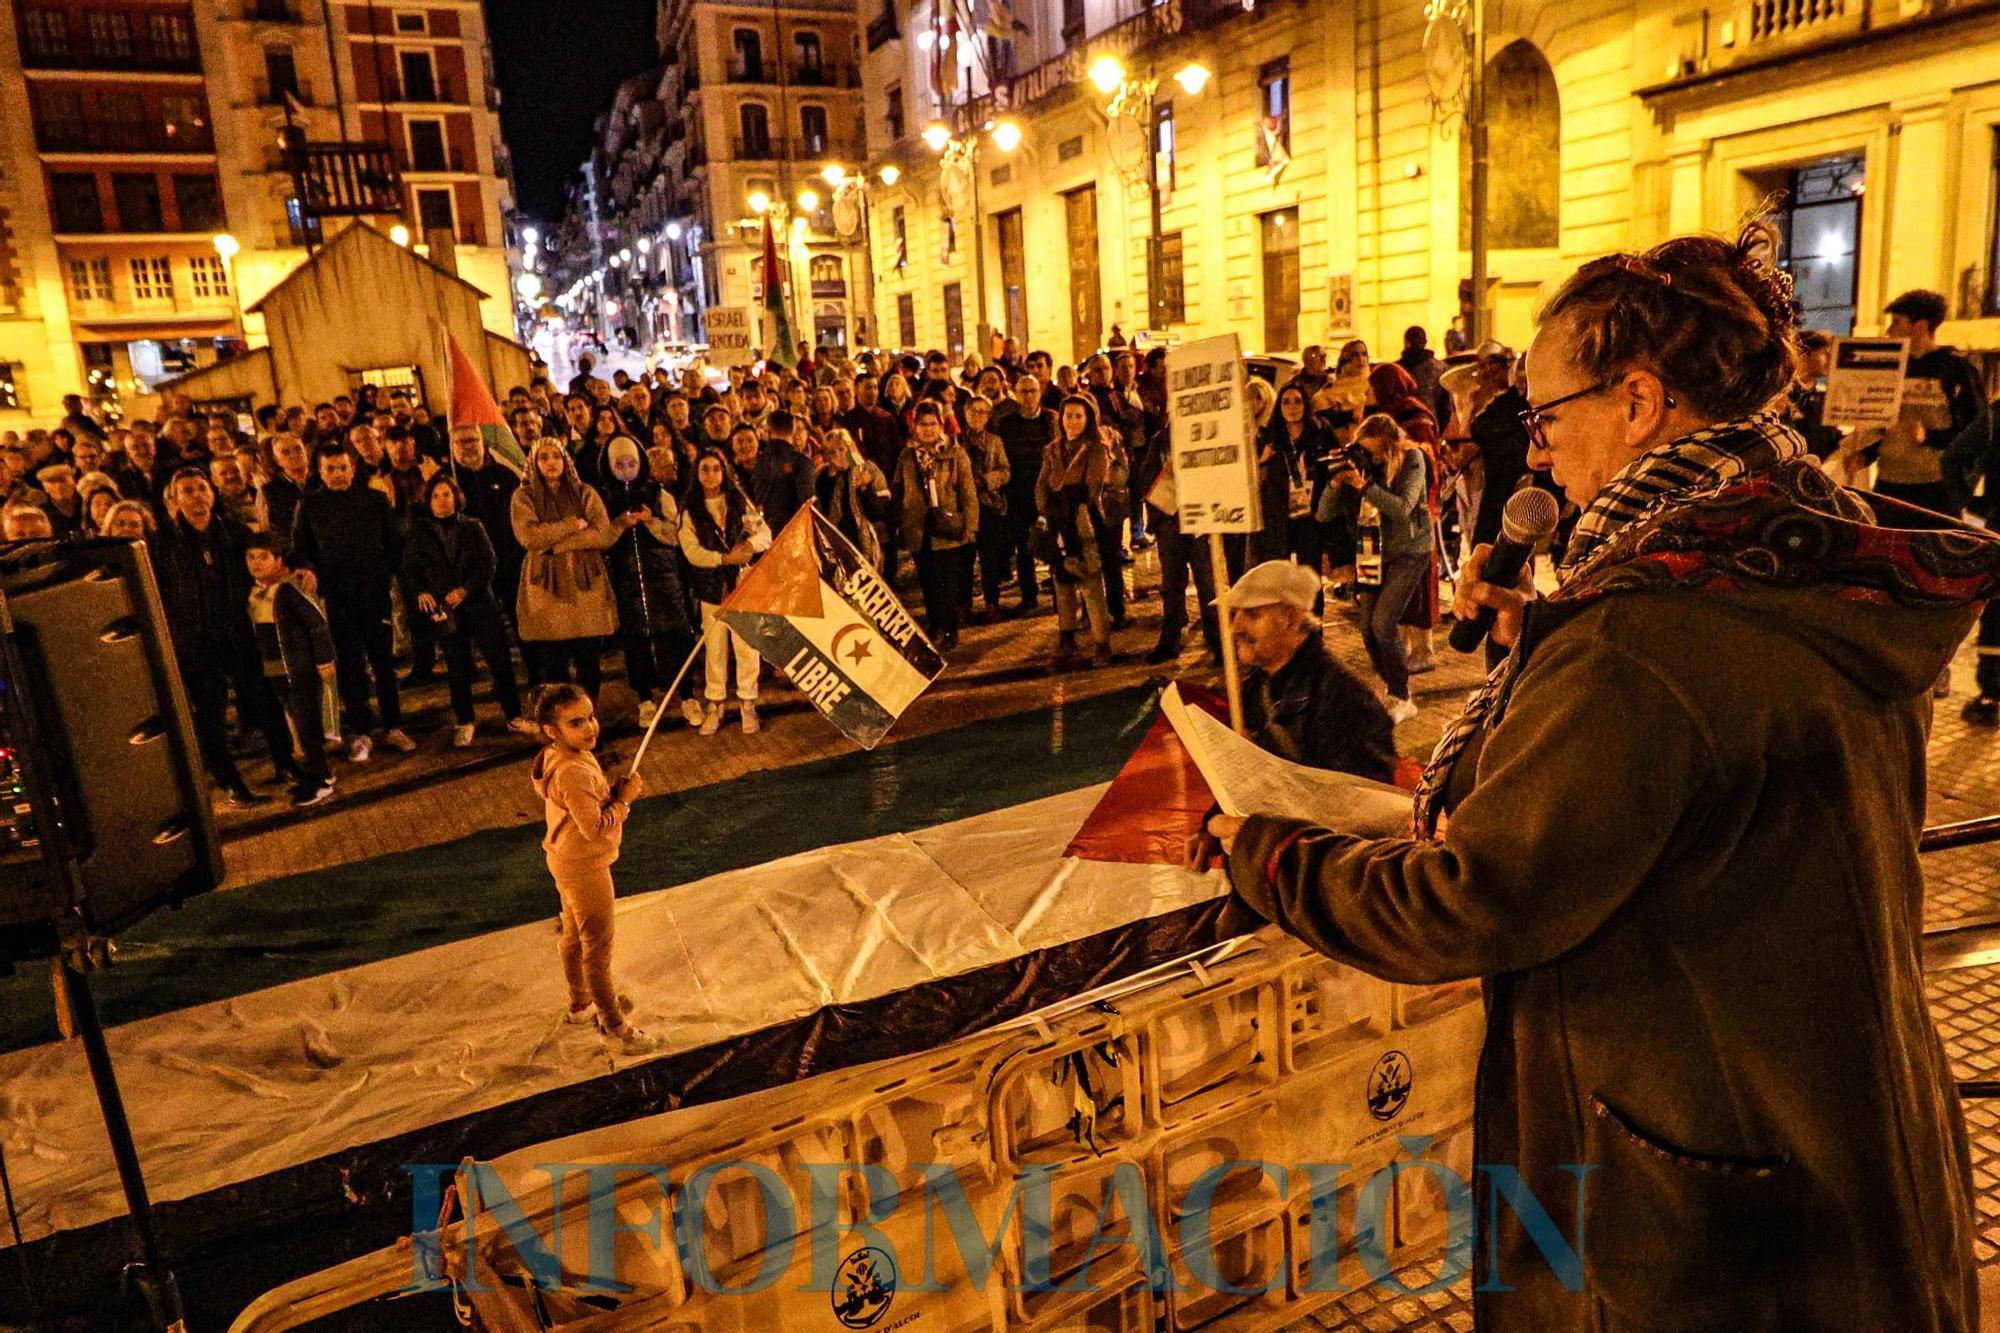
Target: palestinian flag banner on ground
[819, 612]
[472, 404]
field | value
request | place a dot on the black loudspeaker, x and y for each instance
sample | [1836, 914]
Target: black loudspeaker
[104, 810]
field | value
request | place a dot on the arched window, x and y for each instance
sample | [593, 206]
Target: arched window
[755, 119]
[746, 60]
[1524, 154]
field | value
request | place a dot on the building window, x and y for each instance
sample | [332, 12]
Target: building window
[807, 63]
[172, 38]
[427, 145]
[138, 198]
[281, 75]
[152, 279]
[110, 34]
[892, 112]
[746, 59]
[123, 117]
[199, 203]
[1072, 22]
[411, 21]
[10, 393]
[1274, 99]
[1819, 228]
[755, 121]
[78, 207]
[899, 230]
[183, 124]
[954, 317]
[59, 118]
[210, 276]
[46, 34]
[1173, 292]
[1992, 302]
[950, 229]
[419, 76]
[1524, 126]
[304, 230]
[812, 130]
[1163, 146]
[434, 212]
[906, 320]
[90, 279]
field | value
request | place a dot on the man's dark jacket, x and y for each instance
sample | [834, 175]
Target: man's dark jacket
[1316, 712]
[205, 590]
[350, 540]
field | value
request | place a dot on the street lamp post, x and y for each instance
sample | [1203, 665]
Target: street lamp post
[1137, 99]
[1475, 127]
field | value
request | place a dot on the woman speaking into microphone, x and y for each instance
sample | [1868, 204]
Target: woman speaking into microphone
[1676, 836]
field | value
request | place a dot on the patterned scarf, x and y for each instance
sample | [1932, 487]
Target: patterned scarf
[1733, 504]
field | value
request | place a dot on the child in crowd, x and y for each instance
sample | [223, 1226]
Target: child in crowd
[586, 823]
[297, 647]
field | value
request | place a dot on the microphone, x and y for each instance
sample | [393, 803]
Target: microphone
[1526, 523]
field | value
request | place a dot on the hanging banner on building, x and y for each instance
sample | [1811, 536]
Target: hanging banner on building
[1215, 469]
[732, 335]
[1864, 386]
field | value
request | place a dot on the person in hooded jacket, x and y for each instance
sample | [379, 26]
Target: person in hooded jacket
[1676, 837]
[449, 568]
[645, 560]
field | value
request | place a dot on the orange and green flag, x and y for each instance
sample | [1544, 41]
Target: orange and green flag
[473, 404]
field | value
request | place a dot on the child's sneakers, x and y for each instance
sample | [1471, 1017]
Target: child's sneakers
[711, 720]
[691, 709]
[648, 710]
[461, 735]
[520, 726]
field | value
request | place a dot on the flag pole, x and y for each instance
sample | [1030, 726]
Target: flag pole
[654, 725]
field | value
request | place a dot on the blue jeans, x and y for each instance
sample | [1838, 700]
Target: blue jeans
[1381, 619]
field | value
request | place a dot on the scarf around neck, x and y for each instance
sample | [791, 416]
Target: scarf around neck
[1734, 503]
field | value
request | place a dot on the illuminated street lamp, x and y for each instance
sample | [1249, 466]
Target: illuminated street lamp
[760, 203]
[1107, 73]
[936, 136]
[834, 174]
[1193, 78]
[1007, 136]
[617, 260]
[808, 201]
[400, 234]
[530, 235]
[645, 244]
[624, 256]
[890, 173]
[673, 231]
[529, 286]
[225, 245]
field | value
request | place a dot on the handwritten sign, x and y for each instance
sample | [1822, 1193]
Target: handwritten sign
[732, 333]
[1215, 458]
[1864, 386]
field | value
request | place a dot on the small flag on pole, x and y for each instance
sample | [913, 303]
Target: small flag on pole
[813, 608]
[472, 404]
[779, 353]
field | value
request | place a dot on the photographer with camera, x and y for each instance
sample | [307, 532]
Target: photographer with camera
[1379, 485]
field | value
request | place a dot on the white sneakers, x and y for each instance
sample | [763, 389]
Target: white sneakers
[520, 726]
[461, 735]
[751, 726]
[691, 709]
[399, 740]
[1401, 711]
[359, 751]
[648, 710]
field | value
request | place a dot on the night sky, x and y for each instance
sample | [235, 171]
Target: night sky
[559, 62]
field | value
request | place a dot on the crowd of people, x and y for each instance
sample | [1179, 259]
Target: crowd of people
[306, 555]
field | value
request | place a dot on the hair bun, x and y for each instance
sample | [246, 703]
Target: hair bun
[1770, 286]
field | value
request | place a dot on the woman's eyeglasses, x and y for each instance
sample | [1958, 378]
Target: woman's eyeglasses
[1532, 416]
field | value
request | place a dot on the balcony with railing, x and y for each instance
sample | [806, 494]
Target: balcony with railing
[108, 136]
[272, 11]
[135, 57]
[421, 163]
[440, 89]
[745, 71]
[825, 75]
[1765, 32]
[755, 150]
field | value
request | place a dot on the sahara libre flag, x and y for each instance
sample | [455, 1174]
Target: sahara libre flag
[472, 405]
[821, 614]
[780, 352]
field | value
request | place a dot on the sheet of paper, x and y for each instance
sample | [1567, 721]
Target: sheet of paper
[1247, 780]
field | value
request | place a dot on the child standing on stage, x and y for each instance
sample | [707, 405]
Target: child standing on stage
[586, 816]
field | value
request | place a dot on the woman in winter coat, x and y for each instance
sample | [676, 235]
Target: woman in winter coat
[448, 567]
[564, 608]
[1308, 447]
[645, 560]
[1397, 394]
[940, 517]
[1075, 468]
[851, 493]
[716, 527]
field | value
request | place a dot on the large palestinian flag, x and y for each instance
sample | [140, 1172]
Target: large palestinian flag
[819, 612]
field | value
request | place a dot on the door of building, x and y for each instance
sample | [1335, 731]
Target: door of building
[1013, 273]
[1281, 280]
[1086, 312]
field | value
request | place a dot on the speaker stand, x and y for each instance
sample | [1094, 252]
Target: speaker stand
[154, 1280]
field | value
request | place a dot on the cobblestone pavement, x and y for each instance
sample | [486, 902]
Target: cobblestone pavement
[401, 801]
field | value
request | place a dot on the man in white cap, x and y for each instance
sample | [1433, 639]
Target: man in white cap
[1298, 702]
